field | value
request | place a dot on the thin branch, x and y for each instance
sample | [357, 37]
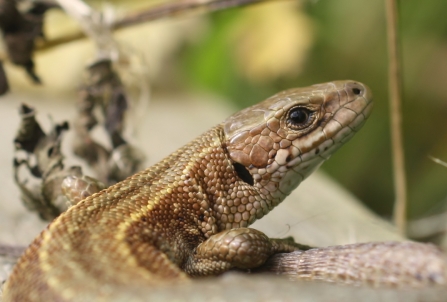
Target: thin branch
[438, 161]
[160, 12]
[395, 91]
[11, 251]
[172, 9]
[94, 25]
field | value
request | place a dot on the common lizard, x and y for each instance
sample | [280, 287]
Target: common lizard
[188, 215]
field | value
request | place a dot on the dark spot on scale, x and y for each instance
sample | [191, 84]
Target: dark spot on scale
[317, 151]
[143, 219]
[325, 148]
[243, 173]
[145, 238]
[201, 217]
[289, 158]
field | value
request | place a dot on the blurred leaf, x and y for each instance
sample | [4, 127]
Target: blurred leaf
[272, 41]
[247, 50]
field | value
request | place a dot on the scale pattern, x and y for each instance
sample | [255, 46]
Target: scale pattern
[189, 214]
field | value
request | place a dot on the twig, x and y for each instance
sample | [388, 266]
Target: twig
[94, 25]
[159, 12]
[438, 161]
[172, 9]
[395, 91]
[11, 251]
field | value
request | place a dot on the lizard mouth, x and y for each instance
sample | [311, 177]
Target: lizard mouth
[352, 107]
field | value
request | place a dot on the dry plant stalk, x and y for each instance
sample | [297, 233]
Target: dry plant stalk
[159, 12]
[395, 92]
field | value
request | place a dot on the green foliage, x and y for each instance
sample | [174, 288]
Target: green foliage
[350, 42]
[210, 64]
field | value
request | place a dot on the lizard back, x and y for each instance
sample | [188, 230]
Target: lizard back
[166, 222]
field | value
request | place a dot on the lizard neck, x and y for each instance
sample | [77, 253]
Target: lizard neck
[233, 199]
[217, 195]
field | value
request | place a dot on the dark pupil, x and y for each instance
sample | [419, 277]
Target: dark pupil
[299, 116]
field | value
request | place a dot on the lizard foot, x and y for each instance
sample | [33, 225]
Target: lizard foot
[242, 248]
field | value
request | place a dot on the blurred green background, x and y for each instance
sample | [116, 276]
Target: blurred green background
[248, 54]
[343, 39]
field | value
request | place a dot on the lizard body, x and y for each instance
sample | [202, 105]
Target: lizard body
[189, 214]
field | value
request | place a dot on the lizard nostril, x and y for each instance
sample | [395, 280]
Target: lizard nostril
[356, 91]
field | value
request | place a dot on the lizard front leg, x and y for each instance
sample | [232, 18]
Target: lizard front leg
[242, 248]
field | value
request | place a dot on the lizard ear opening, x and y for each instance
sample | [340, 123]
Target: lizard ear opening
[243, 173]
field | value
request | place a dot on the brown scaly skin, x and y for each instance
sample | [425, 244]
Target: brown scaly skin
[188, 215]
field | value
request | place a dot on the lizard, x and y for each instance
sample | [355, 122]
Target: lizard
[189, 215]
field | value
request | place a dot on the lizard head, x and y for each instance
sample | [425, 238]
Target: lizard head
[276, 144]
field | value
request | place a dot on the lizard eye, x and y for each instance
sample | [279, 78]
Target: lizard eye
[300, 118]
